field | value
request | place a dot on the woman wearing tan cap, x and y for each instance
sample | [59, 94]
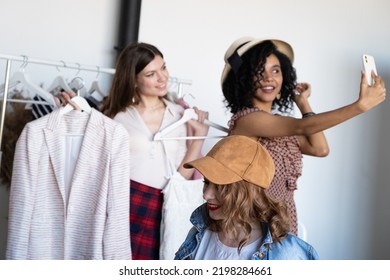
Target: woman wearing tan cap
[239, 221]
[260, 87]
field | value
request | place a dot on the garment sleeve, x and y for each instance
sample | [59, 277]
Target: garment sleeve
[117, 228]
[22, 193]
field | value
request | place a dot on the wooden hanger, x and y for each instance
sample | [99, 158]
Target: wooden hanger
[189, 114]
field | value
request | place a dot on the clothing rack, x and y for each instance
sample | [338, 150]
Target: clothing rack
[60, 63]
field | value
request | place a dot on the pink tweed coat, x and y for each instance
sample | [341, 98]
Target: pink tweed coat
[94, 222]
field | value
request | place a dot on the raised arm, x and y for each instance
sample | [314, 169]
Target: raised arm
[315, 144]
[262, 124]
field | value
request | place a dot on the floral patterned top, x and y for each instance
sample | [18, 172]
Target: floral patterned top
[287, 158]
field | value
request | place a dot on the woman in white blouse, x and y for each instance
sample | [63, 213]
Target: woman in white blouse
[138, 100]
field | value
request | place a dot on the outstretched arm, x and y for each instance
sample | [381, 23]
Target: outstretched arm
[263, 124]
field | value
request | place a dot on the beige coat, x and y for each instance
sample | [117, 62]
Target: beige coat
[94, 223]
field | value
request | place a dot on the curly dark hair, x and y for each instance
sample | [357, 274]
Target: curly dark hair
[240, 87]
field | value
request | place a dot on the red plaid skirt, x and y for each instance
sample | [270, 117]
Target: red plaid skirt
[145, 219]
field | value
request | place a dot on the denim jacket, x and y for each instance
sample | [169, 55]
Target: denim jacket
[290, 248]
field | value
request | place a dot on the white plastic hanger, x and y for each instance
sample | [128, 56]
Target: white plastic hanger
[21, 77]
[81, 102]
[189, 114]
[59, 83]
[14, 83]
[95, 87]
[79, 84]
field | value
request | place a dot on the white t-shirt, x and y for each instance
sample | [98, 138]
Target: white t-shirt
[211, 248]
[148, 159]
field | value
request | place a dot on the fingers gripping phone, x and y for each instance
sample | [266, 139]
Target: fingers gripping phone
[369, 66]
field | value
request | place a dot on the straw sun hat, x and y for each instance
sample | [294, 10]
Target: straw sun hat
[243, 44]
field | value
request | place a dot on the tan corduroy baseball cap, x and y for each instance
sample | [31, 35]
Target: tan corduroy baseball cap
[243, 44]
[236, 158]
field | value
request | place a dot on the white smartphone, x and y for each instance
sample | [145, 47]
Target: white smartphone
[369, 65]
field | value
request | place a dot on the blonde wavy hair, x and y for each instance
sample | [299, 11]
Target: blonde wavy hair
[244, 203]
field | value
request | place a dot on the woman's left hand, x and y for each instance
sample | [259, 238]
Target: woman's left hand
[302, 94]
[303, 90]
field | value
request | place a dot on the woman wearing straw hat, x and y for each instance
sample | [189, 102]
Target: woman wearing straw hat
[260, 88]
[239, 220]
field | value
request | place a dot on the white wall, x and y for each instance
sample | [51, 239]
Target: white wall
[342, 199]
[76, 32]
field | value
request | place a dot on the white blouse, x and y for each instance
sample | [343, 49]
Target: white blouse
[148, 159]
[211, 248]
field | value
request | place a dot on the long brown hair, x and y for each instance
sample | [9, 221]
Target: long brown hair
[244, 203]
[123, 93]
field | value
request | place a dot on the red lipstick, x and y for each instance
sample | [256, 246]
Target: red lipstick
[212, 207]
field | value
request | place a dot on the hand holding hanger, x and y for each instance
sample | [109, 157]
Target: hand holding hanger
[198, 125]
[70, 101]
[189, 114]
